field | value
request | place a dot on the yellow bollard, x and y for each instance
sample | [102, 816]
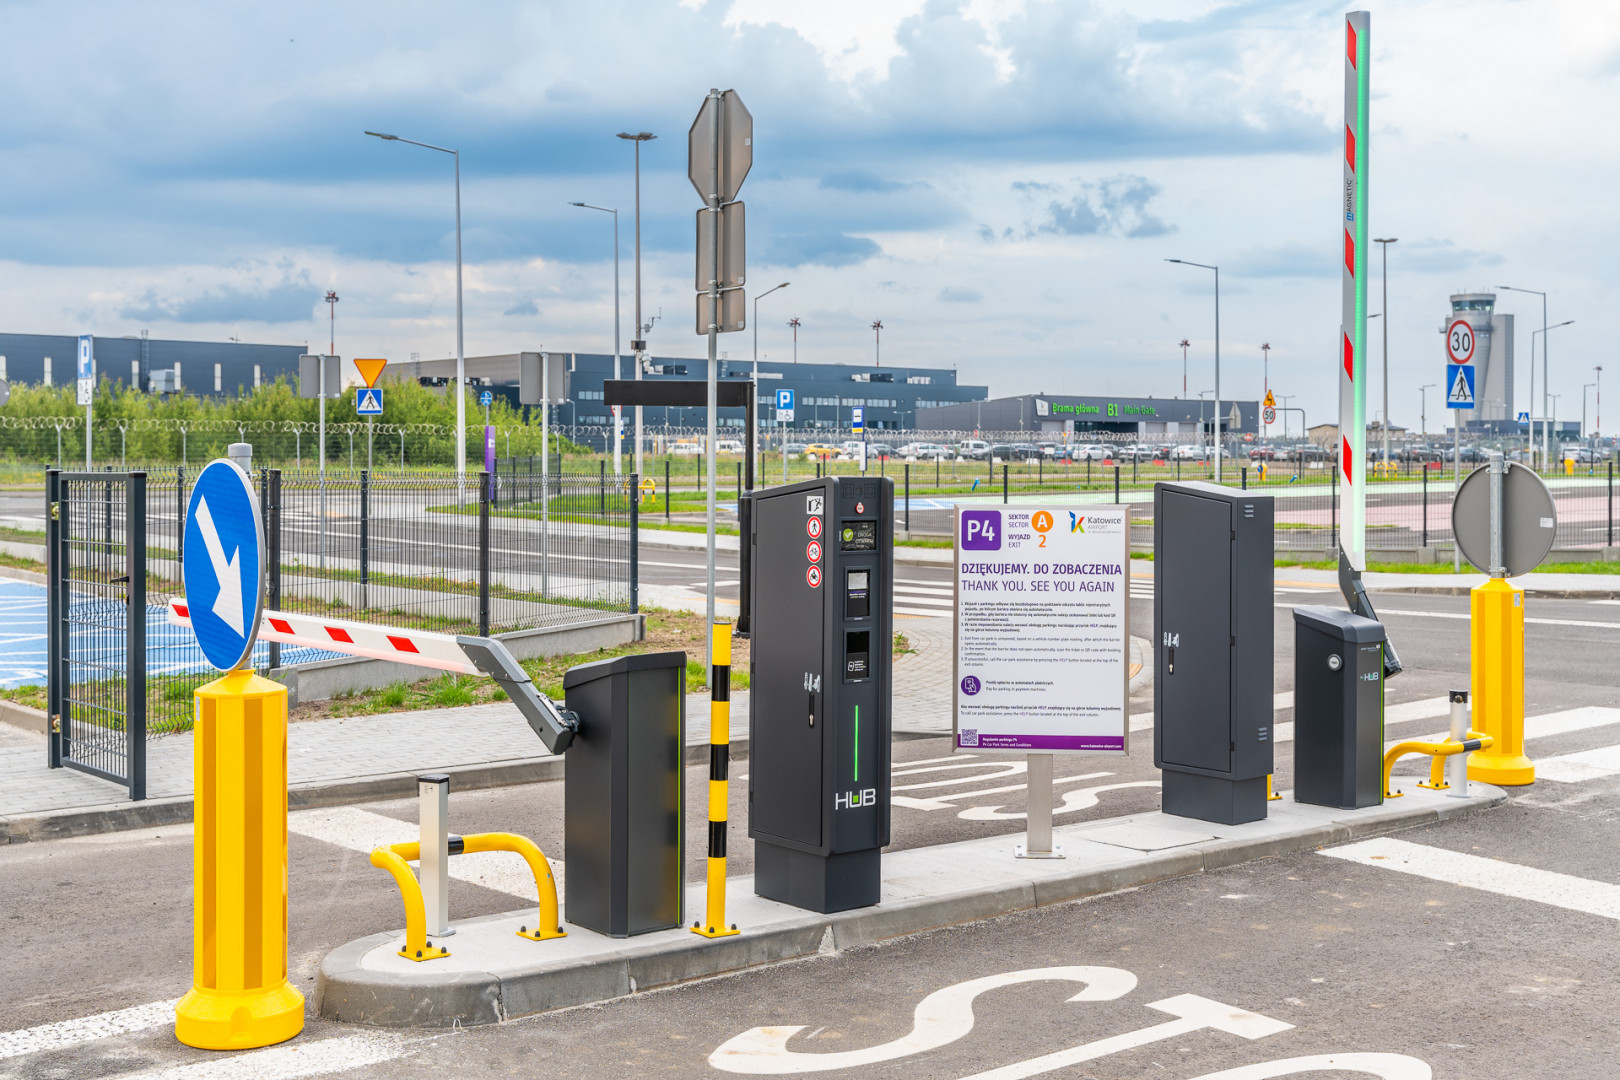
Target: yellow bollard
[714, 911]
[1497, 625]
[240, 997]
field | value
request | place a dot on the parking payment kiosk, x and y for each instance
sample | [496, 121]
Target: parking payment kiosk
[819, 678]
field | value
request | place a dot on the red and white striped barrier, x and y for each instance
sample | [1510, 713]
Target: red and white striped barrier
[422, 648]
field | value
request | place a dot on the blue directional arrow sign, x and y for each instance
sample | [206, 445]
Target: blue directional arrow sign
[1459, 386]
[224, 564]
[368, 401]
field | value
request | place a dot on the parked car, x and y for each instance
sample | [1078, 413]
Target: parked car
[686, 449]
[930, 452]
[729, 446]
[794, 449]
[820, 452]
[973, 449]
[879, 451]
[1093, 452]
[1026, 450]
[1191, 452]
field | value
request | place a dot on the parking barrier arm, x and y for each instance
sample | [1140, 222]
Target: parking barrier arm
[556, 727]
[1475, 741]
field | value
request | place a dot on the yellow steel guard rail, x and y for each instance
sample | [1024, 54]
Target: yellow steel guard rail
[1439, 750]
[396, 858]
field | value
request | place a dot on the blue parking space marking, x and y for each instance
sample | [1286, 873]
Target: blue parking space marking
[170, 650]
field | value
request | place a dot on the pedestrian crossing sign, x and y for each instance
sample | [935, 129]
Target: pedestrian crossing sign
[368, 401]
[1459, 386]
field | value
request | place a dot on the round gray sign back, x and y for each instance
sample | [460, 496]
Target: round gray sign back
[5, 391]
[1529, 520]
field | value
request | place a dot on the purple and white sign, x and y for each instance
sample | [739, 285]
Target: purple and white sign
[1042, 634]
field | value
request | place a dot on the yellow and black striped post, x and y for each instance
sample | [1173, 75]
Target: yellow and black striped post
[713, 923]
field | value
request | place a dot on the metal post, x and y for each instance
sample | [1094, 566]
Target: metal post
[908, 502]
[1611, 505]
[601, 488]
[1243, 479]
[271, 508]
[56, 611]
[180, 513]
[483, 556]
[1457, 764]
[666, 490]
[365, 538]
[1116, 483]
[717, 103]
[714, 912]
[433, 853]
[1456, 477]
[635, 543]
[1038, 835]
[322, 468]
[1004, 483]
[1498, 473]
[1425, 504]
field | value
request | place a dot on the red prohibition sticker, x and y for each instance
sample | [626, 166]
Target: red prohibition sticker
[813, 527]
[860, 508]
[812, 551]
[813, 576]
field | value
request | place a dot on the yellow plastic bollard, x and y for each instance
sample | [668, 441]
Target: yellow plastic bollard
[240, 997]
[714, 914]
[1497, 626]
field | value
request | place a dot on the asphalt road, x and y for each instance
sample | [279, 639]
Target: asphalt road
[1357, 956]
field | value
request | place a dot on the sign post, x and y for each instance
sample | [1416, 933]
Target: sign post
[86, 389]
[240, 997]
[784, 417]
[1459, 395]
[1042, 641]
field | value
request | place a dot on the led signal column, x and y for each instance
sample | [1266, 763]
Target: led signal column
[1353, 325]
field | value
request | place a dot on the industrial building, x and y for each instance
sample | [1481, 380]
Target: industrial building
[194, 367]
[1060, 414]
[893, 397]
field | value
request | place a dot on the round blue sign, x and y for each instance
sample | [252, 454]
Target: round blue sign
[223, 566]
[486, 398]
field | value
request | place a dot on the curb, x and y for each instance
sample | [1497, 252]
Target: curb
[348, 993]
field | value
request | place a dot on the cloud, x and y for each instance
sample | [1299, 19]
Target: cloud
[1290, 260]
[291, 301]
[526, 307]
[859, 180]
[952, 294]
[1117, 206]
[1441, 256]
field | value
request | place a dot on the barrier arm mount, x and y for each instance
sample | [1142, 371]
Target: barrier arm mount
[420, 648]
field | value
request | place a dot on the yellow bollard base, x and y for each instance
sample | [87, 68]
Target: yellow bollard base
[1513, 771]
[714, 931]
[432, 952]
[239, 1020]
[542, 935]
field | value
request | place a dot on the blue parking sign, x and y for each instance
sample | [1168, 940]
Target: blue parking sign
[223, 567]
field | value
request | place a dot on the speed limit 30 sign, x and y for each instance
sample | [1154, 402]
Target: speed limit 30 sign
[1460, 342]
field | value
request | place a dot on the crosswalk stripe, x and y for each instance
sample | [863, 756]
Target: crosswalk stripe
[66, 1033]
[288, 1061]
[1586, 765]
[362, 831]
[1490, 875]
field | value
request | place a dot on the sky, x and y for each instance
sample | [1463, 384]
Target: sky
[998, 181]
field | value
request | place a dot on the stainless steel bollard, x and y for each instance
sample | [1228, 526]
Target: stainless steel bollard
[433, 866]
[1457, 764]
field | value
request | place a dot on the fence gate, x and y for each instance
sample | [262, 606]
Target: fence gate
[96, 635]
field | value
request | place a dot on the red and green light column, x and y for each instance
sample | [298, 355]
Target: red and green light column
[1353, 325]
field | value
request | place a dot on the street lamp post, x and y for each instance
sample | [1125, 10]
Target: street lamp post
[1201, 394]
[1546, 461]
[461, 355]
[618, 425]
[794, 322]
[638, 346]
[877, 342]
[1184, 344]
[1544, 328]
[1584, 436]
[1383, 244]
[1217, 391]
[1423, 391]
[757, 424]
[1265, 378]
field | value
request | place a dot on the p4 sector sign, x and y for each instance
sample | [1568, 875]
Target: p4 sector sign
[1042, 632]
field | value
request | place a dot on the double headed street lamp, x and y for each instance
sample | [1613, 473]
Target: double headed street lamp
[1217, 391]
[618, 424]
[638, 344]
[461, 356]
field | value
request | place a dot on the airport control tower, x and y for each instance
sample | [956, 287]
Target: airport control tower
[1493, 354]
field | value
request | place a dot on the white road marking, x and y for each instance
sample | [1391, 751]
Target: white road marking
[943, 802]
[288, 1061]
[362, 831]
[1006, 767]
[1587, 765]
[1078, 799]
[1489, 875]
[1193, 1013]
[940, 1019]
[66, 1033]
[1407, 711]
